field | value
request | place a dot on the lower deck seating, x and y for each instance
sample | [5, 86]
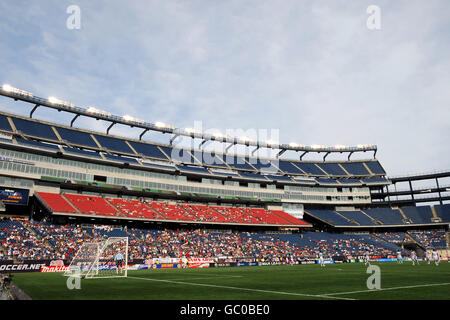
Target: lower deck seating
[153, 210]
[93, 205]
[56, 202]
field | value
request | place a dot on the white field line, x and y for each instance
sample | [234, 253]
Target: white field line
[245, 289]
[207, 277]
[386, 289]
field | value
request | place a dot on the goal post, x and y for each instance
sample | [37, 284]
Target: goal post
[101, 259]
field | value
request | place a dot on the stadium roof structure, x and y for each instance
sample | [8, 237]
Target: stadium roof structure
[92, 112]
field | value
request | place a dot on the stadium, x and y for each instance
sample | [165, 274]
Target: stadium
[224, 159]
[206, 229]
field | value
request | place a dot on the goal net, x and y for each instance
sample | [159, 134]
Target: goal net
[104, 259]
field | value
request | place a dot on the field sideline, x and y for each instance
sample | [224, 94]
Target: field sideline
[334, 282]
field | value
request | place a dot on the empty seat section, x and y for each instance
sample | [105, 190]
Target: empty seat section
[443, 211]
[56, 202]
[375, 167]
[355, 168]
[113, 144]
[330, 217]
[310, 168]
[4, 124]
[237, 162]
[76, 137]
[288, 167]
[387, 216]
[262, 164]
[148, 150]
[359, 217]
[211, 159]
[92, 205]
[332, 169]
[34, 129]
[179, 155]
[419, 215]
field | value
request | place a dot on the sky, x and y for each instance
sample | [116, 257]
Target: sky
[310, 71]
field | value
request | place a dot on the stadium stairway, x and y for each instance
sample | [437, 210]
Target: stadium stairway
[114, 207]
[348, 219]
[373, 219]
[70, 203]
[435, 216]
[405, 218]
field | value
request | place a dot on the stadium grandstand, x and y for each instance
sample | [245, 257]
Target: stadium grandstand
[62, 185]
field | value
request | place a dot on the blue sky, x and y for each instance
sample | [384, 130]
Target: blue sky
[310, 69]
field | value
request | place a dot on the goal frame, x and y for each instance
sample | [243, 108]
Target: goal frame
[93, 271]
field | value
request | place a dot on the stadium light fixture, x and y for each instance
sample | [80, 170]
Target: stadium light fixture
[129, 118]
[8, 88]
[160, 124]
[54, 100]
[293, 145]
[97, 111]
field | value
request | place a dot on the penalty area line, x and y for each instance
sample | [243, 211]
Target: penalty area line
[386, 289]
[245, 289]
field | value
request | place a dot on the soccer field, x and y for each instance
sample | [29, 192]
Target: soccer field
[333, 282]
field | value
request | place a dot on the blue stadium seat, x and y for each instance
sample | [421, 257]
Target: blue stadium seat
[332, 169]
[387, 216]
[4, 124]
[148, 150]
[375, 167]
[288, 167]
[443, 211]
[76, 137]
[330, 217]
[310, 168]
[113, 144]
[419, 215]
[355, 168]
[35, 129]
[359, 217]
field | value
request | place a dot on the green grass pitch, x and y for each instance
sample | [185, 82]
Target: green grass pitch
[333, 282]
